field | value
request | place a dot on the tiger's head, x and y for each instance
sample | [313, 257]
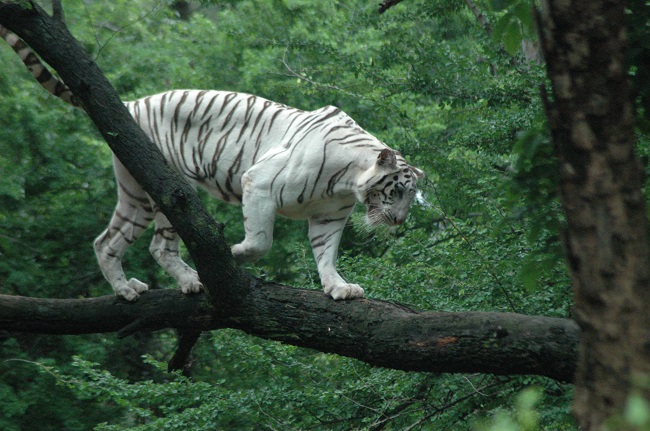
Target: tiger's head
[388, 188]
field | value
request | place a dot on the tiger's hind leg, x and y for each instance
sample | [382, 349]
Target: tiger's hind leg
[165, 248]
[131, 217]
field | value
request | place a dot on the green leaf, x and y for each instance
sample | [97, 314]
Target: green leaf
[523, 12]
[529, 275]
[512, 37]
[637, 411]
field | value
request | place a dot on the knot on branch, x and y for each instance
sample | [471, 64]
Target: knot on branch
[130, 329]
[179, 197]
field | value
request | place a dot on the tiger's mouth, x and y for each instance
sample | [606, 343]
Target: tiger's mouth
[376, 216]
[372, 207]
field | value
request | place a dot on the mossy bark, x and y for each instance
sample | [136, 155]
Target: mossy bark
[601, 189]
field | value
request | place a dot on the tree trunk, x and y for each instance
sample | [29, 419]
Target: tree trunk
[601, 180]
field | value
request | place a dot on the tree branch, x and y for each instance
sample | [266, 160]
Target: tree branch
[479, 16]
[182, 358]
[387, 4]
[57, 11]
[377, 332]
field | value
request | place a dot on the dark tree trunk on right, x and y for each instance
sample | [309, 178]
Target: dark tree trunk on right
[601, 180]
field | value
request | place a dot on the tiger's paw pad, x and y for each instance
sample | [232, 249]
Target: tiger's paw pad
[345, 291]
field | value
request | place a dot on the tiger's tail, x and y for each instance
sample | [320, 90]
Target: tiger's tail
[51, 83]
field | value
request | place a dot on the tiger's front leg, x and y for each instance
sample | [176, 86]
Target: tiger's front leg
[325, 236]
[259, 215]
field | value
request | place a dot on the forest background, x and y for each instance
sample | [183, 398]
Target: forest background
[455, 94]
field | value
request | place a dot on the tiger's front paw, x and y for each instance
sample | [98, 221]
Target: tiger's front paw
[131, 290]
[345, 291]
[188, 280]
[191, 286]
[244, 253]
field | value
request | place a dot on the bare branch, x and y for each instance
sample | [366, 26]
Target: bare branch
[387, 4]
[292, 73]
[182, 358]
[57, 11]
[479, 16]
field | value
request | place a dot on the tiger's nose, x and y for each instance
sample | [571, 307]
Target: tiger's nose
[400, 220]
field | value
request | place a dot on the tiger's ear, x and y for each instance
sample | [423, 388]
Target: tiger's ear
[387, 159]
[419, 173]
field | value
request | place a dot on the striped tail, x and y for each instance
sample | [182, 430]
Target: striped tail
[38, 70]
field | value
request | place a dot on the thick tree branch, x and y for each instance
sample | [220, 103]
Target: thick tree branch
[379, 333]
[182, 358]
[57, 11]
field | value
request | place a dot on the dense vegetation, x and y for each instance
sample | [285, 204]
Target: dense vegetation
[458, 99]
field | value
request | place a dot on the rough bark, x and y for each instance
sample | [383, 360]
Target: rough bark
[591, 118]
[376, 332]
[379, 333]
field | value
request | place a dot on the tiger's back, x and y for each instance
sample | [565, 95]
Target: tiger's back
[213, 138]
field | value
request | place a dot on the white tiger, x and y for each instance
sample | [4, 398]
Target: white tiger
[267, 157]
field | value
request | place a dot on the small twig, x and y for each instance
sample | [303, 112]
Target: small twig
[479, 16]
[294, 74]
[387, 4]
[57, 11]
[182, 359]
[22, 243]
[474, 387]
[439, 410]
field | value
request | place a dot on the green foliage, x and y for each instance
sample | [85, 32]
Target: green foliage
[514, 23]
[524, 416]
[636, 415]
[425, 77]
